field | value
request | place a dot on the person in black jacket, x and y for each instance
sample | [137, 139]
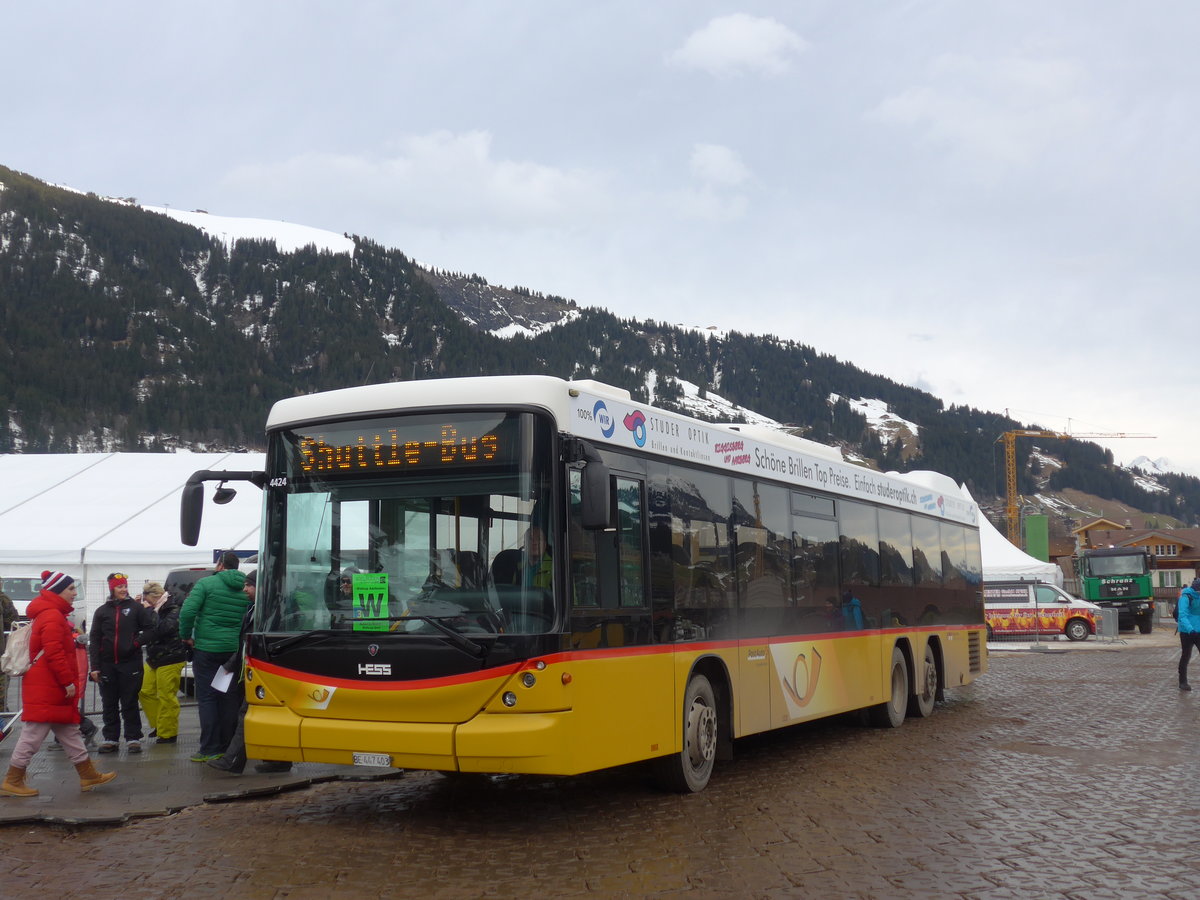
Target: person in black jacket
[166, 656]
[120, 628]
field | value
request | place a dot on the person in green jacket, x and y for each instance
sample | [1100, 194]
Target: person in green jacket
[211, 624]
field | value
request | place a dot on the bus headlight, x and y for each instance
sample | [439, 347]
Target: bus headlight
[260, 692]
[528, 679]
[509, 699]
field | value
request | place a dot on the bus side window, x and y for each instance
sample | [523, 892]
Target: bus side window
[582, 569]
[631, 555]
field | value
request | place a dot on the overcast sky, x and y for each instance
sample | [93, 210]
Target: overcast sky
[993, 201]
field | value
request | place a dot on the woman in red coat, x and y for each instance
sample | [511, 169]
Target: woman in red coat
[49, 689]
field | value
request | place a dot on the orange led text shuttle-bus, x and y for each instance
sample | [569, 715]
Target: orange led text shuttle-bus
[528, 575]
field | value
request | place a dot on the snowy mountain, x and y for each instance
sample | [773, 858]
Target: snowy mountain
[184, 326]
[1153, 466]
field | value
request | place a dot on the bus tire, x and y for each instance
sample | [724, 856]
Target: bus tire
[921, 703]
[1077, 630]
[1146, 625]
[689, 770]
[891, 713]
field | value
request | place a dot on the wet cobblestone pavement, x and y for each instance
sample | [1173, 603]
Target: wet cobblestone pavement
[1062, 773]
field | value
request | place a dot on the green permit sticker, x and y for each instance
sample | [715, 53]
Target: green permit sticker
[370, 591]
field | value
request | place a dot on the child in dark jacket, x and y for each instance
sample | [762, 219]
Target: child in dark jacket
[166, 656]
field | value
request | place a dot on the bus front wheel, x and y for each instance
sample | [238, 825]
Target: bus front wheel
[891, 714]
[689, 770]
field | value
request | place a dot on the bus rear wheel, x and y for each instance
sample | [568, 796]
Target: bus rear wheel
[891, 713]
[689, 770]
[920, 704]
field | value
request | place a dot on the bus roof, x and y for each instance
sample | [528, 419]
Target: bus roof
[609, 417]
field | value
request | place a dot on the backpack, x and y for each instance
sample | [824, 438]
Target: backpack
[15, 660]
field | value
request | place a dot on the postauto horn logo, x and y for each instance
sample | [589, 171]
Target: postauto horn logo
[636, 422]
[604, 419]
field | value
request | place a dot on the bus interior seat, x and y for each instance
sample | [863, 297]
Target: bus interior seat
[472, 572]
[506, 567]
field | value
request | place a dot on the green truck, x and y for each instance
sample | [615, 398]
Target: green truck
[1119, 578]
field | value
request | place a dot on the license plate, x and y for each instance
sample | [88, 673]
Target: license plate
[372, 759]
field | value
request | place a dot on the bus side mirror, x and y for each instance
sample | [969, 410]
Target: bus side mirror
[191, 504]
[596, 506]
[191, 508]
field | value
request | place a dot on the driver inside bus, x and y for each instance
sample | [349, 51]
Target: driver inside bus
[537, 567]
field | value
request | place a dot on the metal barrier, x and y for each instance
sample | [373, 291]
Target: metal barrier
[1107, 628]
[11, 702]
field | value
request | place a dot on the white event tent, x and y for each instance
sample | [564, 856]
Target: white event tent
[89, 514]
[1003, 561]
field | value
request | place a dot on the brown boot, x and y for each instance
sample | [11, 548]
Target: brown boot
[89, 777]
[14, 783]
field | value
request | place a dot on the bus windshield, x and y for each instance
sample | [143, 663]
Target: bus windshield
[1126, 564]
[419, 523]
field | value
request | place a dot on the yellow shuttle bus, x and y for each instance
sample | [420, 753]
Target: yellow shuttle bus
[529, 575]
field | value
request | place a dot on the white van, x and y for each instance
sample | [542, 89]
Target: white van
[21, 589]
[1028, 608]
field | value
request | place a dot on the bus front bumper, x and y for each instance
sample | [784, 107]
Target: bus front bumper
[519, 743]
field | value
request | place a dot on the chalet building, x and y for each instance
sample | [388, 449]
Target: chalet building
[1175, 551]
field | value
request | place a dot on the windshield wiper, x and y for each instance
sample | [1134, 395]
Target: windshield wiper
[314, 637]
[457, 638]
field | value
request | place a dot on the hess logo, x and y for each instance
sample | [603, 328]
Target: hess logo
[374, 669]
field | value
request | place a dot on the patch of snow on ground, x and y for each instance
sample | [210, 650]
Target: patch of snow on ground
[1148, 484]
[287, 237]
[1047, 462]
[716, 408]
[1056, 504]
[706, 330]
[513, 329]
[651, 381]
[881, 421]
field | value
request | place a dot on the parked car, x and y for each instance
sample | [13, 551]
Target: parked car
[21, 589]
[1028, 608]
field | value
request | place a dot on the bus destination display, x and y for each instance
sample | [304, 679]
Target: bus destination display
[375, 449]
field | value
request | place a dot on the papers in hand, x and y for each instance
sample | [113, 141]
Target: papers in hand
[222, 680]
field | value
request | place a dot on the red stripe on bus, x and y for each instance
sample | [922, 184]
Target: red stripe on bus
[566, 656]
[364, 685]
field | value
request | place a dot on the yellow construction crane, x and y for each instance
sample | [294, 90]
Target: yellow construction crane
[1010, 468]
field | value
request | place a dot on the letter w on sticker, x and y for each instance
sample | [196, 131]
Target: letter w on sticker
[373, 606]
[370, 601]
